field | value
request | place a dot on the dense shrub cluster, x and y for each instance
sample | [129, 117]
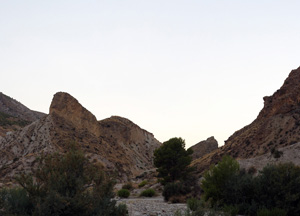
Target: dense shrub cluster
[124, 193]
[276, 189]
[63, 185]
[148, 193]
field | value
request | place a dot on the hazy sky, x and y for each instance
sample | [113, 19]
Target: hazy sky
[192, 69]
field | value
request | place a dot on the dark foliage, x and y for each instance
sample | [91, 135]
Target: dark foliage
[8, 120]
[276, 189]
[124, 193]
[65, 185]
[172, 160]
[148, 193]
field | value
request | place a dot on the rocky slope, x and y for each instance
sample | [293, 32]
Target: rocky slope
[289, 154]
[14, 115]
[277, 125]
[117, 143]
[204, 147]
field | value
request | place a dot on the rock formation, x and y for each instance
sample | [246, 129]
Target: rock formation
[14, 115]
[288, 154]
[204, 147]
[277, 125]
[116, 143]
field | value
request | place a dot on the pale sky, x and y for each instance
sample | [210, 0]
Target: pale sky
[190, 69]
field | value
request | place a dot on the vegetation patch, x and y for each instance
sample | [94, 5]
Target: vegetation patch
[123, 193]
[143, 183]
[148, 193]
[8, 120]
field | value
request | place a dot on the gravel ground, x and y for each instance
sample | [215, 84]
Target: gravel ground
[151, 207]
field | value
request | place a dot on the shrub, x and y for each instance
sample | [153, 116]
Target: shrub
[148, 193]
[273, 212]
[124, 193]
[15, 201]
[231, 210]
[193, 204]
[122, 210]
[143, 183]
[279, 186]
[175, 189]
[68, 185]
[127, 186]
[276, 153]
[217, 178]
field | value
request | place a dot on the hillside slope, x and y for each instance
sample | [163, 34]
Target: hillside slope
[277, 125]
[117, 143]
[14, 115]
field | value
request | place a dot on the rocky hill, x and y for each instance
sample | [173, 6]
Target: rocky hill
[204, 147]
[14, 115]
[116, 143]
[287, 154]
[277, 125]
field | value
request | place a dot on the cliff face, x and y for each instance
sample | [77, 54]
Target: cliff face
[277, 125]
[14, 115]
[117, 143]
[204, 147]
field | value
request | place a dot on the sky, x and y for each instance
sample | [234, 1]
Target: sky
[190, 69]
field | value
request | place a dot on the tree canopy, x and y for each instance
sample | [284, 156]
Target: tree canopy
[172, 160]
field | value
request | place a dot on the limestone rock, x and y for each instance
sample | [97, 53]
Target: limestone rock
[14, 115]
[16, 109]
[118, 144]
[204, 147]
[277, 126]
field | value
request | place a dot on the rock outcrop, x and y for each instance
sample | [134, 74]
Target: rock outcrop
[14, 115]
[204, 147]
[288, 154]
[277, 125]
[117, 143]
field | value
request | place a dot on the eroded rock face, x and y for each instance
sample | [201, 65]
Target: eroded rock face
[289, 154]
[204, 147]
[277, 125]
[65, 106]
[14, 115]
[117, 143]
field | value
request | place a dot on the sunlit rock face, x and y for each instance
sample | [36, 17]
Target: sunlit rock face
[277, 125]
[116, 143]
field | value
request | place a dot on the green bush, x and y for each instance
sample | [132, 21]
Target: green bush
[231, 210]
[217, 178]
[64, 185]
[122, 210]
[278, 186]
[127, 186]
[124, 193]
[148, 193]
[273, 212]
[193, 204]
[175, 189]
[143, 183]
[15, 201]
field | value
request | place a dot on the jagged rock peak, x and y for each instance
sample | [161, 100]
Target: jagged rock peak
[66, 106]
[204, 147]
[285, 99]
